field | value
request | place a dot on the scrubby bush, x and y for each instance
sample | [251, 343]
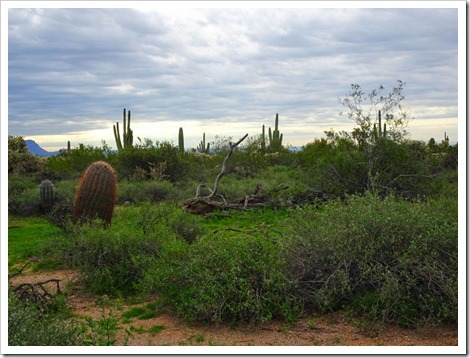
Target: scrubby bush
[24, 203]
[334, 168]
[114, 260]
[21, 160]
[145, 190]
[392, 260]
[108, 259]
[29, 325]
[144, 157]
[71, 163]
[224, 277]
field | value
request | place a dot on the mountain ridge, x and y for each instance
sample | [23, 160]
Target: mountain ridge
[36, 149]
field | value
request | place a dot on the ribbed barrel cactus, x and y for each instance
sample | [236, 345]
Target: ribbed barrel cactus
[96, 194]
[46, 194]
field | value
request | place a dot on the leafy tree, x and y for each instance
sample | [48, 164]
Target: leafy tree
[20, 159]
[364, 111]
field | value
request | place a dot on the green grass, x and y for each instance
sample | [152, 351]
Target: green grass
[250, 219]
[149, 311]
[25, 237]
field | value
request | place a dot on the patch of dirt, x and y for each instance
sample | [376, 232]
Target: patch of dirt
[326, 330]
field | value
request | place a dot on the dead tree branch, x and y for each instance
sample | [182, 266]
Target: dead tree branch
[35, 292]
[223, 171]
[11, 275]
[205, 204]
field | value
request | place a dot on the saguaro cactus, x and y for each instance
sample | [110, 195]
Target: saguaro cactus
[128, 137]
[202, 146]
[263, 140]
[181, 140]
[382, 132]
[275, 138]
[46, 194]
[96, 194]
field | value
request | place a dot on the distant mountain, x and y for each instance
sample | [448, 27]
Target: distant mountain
[35, 149]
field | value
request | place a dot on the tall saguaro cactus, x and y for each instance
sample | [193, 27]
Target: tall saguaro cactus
[275, 138]
[202, 148]
[263, 140]
[181, 140]
[382, 132]
[127, 132]
[96, 194]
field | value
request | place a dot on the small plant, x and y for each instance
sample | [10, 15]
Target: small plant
[312, 323]
[96, 194]
[102, 332]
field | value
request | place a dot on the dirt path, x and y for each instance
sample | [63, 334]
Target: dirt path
[327, 330]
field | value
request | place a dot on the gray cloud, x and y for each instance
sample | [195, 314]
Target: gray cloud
[75, 69]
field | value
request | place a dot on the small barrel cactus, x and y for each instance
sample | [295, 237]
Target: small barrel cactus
[96, 194]
[46, 194]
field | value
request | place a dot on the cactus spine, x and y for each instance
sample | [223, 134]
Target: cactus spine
[181, 140]
[202, 146]
[275, 138]
[127, 135]
[96, 194]
[46, 194]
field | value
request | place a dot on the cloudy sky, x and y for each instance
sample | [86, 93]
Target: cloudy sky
[223, 71]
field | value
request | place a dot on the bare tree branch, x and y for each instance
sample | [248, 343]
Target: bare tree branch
[223, 171]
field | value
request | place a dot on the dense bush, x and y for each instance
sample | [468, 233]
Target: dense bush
[339, 167]
[136, 191]
[224, 277]
[334, 169]
[113, 260]
[29, 325]
[393, 260]
[162, 159]
[71, 163]
[21, 160]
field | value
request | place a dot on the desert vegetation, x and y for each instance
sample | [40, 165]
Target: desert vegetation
[244, 231]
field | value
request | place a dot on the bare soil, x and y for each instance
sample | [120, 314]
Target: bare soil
[327, 330]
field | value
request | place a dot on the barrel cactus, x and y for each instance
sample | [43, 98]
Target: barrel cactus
[46, 194]
[96, 194]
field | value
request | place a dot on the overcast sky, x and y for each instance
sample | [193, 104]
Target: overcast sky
[223, 71]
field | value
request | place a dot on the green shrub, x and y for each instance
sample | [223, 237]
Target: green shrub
[148, 190]
[28, 325]
[21, 160]
[152, 218]
[71, 164]
[148, 156]
[224, 277]
[113, 261]
[394, 260]
[25, 203]
[110, 260]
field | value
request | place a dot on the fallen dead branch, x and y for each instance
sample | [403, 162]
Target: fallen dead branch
[215, 201]
[37, 293]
